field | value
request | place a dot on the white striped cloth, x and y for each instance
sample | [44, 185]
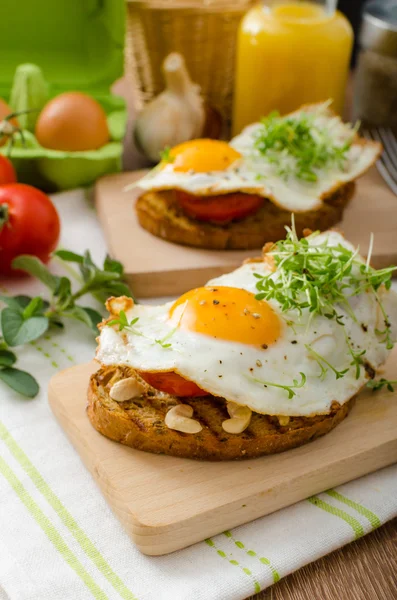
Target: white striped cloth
[59, 539]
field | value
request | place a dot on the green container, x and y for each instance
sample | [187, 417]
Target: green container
[79, 46]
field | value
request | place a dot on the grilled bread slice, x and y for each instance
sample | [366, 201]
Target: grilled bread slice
[159, 213]
[139, 423]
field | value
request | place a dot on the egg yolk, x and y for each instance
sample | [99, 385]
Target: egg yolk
[228, 314]
[202, 156]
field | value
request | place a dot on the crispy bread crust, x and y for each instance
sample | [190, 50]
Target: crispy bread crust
[139, 423]
[160, 214]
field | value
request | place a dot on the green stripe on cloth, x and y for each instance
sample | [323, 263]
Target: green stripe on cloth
[44, 353]
[368, 514]
[53, 535]
[262, 559]
[60, 349]
[337, 512]
[235, 563]
[67, 519]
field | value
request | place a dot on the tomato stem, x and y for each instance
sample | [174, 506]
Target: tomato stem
[3, 215]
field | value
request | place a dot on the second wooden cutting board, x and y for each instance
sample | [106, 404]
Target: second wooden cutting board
[155, 267]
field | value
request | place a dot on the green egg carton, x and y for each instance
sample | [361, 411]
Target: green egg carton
[79, 46]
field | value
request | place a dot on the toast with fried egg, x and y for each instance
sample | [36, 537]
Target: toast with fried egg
[160, 213]
[239, 195]
[259, 360]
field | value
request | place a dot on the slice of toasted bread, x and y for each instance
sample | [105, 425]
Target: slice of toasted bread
[139, 423]
[159, 213]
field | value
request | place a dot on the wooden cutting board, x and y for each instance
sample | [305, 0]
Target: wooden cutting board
[168, 503]
[155, 267]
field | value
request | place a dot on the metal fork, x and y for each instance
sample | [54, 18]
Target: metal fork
[387, 163]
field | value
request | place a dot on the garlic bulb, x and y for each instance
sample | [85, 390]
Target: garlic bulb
[174, 116]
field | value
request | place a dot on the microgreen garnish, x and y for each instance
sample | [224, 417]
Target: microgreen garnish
[163, 344]
[380, 383]
[123, 323]
[288, 388]
[356, 356]
[320, 360]
[297, 145]
[166, 156]
[25, 319]
[386, 332]
[321, 279]
[164, 341]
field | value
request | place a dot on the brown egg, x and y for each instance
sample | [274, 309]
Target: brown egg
[5, 110]
[72, 122]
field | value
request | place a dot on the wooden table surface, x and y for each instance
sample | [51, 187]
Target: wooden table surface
[363, 570]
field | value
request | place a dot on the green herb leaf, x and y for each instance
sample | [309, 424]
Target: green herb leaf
[7, 358]
[380, 383]
[123, 323]
[165, 155]
[101, 283]
[164, 341]
[80, 314]
[17, 331]
[34, 266]
[63, 293]
[112, 288]
[94, 316]
[114, 266]
[320, 359]
[288, 388]
[35, 306]
[69, 256]
[16, 302]
[20, 381]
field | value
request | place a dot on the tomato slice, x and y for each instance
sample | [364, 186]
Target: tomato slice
[172, 383]
[220, 209]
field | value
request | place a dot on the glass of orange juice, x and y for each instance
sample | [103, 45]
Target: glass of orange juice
[290, 53]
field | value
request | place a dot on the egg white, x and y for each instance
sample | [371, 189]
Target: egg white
[253, 175]
[229, 369]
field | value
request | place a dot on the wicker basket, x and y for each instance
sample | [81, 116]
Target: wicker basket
[203, 31]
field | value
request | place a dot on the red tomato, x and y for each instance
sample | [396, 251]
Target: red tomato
[29, 224]
[221, 209]
[7, 171]
[172, 383]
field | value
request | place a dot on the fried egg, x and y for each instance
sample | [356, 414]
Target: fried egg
[250, 351]
[207, 167]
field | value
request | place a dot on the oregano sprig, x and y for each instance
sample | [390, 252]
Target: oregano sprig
[25, 319]
[20, 381]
